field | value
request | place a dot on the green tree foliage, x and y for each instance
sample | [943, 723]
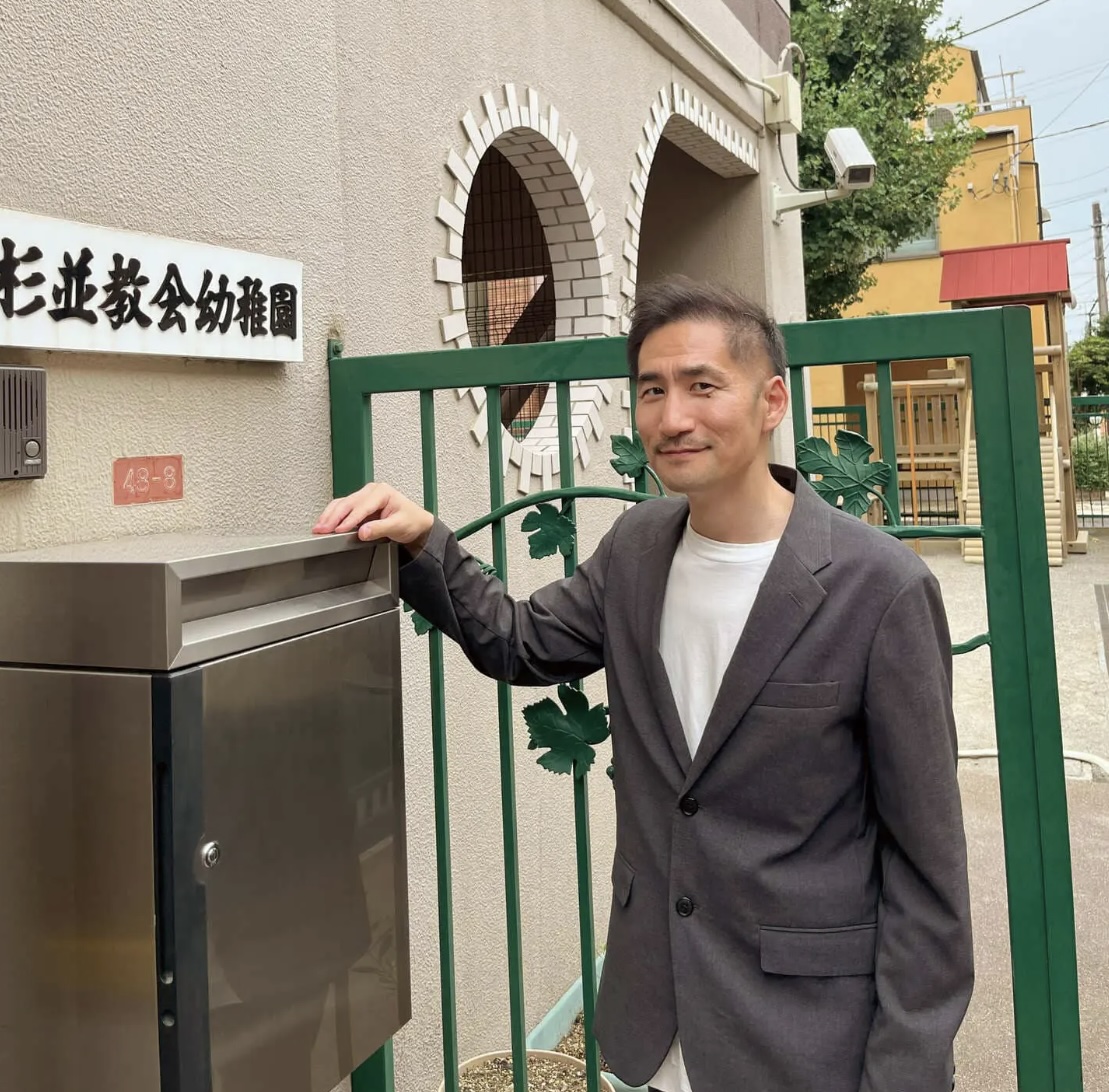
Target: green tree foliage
[1090, 461]
[872, 64]
[1089, 361]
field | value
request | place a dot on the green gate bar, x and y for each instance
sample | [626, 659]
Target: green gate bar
[584, 856]
[888, 434]
[799, 405]
[641, 477]
[443, 879]
[505, 730]
[1020, 638]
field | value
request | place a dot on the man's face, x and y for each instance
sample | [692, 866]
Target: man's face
[705, 417]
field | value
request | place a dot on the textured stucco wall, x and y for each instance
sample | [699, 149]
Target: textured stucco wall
[320, 133]
[700, 224]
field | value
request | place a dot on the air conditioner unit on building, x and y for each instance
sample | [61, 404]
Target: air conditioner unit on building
[944, 116]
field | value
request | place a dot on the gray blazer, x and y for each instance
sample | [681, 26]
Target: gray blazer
[794, 896]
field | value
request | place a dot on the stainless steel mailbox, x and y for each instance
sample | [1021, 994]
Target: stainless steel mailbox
[202, 827]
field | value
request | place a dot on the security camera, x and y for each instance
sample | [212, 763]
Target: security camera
[851, 159]
[855, 170]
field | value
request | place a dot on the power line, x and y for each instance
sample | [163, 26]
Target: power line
[1060, 75]
[1046, 136]
[1082, 251]
[1078, 198]
[998, 22]
[1040, 97]
[1076, 129]
[1084, 177]
[1092, 81]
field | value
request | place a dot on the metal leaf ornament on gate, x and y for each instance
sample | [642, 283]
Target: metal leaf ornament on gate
[630, 458]
[550, 531]
[569, 734]
[847, 473]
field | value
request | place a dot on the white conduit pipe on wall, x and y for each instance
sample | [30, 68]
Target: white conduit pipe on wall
[715, 51]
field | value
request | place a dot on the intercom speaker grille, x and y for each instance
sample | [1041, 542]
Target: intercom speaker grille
[22, 422]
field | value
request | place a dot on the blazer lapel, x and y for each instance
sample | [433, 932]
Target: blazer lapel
[788, 597]
[652, 574]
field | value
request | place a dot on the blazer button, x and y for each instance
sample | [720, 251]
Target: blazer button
[688, 805]
[684, 907]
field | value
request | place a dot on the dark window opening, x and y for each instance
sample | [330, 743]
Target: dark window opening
[507, 277]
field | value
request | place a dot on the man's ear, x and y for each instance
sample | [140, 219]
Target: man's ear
[777, 402]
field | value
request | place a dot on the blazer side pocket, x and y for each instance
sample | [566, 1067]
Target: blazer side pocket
[622, 876]
[791, 695]
[818, 953]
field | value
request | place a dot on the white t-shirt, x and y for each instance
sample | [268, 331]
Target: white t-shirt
[709, 595]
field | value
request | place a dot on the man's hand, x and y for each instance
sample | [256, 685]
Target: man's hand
[378, 511]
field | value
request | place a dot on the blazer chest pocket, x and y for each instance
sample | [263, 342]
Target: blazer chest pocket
[818, 953]
[622, 877]
[791, 695]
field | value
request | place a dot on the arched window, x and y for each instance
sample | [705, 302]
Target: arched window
[507, 277]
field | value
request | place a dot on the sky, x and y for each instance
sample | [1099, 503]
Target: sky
[1063, 49]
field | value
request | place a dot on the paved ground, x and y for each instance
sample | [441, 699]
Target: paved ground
[985, 1051]
[1079, 646]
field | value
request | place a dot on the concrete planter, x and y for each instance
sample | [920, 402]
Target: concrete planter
[551, 1055]
[551, 1029]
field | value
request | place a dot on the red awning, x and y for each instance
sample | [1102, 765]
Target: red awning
[1015, 271]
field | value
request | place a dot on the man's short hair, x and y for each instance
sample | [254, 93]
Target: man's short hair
[680, 299]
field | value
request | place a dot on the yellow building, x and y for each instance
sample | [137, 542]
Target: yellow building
[986, 251]
[1000, 205]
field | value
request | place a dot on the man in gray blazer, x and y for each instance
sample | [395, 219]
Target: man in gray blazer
[790, 907]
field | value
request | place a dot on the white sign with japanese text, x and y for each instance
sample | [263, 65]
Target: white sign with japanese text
[72, 286]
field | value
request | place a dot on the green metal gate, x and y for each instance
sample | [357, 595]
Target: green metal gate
[998, 343]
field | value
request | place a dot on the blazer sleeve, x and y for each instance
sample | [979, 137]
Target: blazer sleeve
[554, 636]
[925, 966]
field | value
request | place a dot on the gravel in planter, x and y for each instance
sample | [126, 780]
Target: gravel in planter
[544, 1075]
[574, 1043]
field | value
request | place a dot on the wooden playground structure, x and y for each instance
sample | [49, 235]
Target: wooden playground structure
[937, 452]
[935, 446]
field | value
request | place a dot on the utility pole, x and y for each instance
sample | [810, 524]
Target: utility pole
[1099, 258]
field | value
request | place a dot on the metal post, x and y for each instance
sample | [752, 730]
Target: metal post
[376, 1073]
[888, 435]
[1026, 709]
[586, 934]
[799, 406]
[448, 993]
[1099, 259]
[506, 731]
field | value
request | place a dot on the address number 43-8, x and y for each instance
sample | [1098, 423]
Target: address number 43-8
[147, 478]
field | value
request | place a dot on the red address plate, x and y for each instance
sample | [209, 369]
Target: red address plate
[147, 478]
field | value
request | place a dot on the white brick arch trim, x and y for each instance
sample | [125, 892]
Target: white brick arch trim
[546, 154]
[703, 134]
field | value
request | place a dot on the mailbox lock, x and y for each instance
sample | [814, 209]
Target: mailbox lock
[210, 854]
